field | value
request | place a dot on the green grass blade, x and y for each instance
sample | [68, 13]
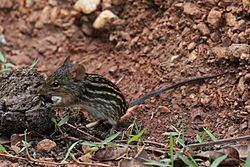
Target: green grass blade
[2, 149]
[110, 138]
[156, 163]
[6, 70]
[137, 136]
[2, 57]
[247, 164]
[170, 133]
[182, 130]
[181, 142]
[210, 134]
[99, 144]
[193, 160]
[34, 63]
[217, 161]
[171, 149]
[9, 65]
[187, 161]
[69, 150]
[54, 121]
[22, 149]
[63, 121]
[199, 138]
[90, 144]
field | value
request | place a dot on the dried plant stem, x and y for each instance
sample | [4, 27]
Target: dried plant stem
[83, 132]
[222, 141]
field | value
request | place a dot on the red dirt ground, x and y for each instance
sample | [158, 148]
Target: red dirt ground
[157, 43]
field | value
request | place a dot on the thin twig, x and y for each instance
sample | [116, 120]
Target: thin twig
[83, 132]
[149, 148]
[88, 163]
[222, 141]
[72, 138]
[147, 141]
[155, 143]
[32, 160]
[119, 80]
[66, 136]
[140, 151]
[153, 149]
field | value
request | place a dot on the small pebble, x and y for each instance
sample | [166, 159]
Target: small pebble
[230, 19]
[86, 6]
[202, 27]
[163, 109]
[192, 9]
[214, 18]
[45, 145]
[103, 18]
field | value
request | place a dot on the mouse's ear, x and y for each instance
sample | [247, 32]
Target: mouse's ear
[77, 72]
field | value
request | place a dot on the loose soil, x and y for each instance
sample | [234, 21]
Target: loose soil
[157, 43]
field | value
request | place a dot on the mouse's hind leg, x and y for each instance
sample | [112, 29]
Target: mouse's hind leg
[114, 125]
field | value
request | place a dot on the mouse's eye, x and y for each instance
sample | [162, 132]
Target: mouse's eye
[55, 84]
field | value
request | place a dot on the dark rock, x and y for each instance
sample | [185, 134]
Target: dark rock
[20, 105]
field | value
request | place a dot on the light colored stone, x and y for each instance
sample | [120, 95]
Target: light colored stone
[53, 2]
[230, 19]
[202, 27]
[241, 51]
[86, 6]
[247, 108]
[6, 4]
[191, 46]
[178, 5]
[240, 24]
[103, 18]
[214, 18]
[244, 126]
[64, 13]
[247, 77]
[205, 100]
[233, 130]
[221, 52]
[235, 51]
[2, 39]
[54, 14]
[192, 56]
[246, 5]
[1, 29]
[241, 85]
[192, 9]
[44, 17]
[29, 3]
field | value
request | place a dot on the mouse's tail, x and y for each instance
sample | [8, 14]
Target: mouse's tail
[141, 99]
